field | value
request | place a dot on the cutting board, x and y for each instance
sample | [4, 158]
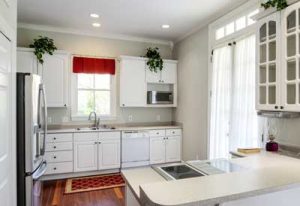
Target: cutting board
[249, 150]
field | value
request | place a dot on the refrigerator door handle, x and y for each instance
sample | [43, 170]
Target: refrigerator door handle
[40, 171]
[45, 116]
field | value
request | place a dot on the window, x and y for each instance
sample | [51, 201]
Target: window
[237, 24]
[233, 118]
[93, 92]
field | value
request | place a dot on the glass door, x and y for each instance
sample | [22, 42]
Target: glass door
[267, 95]
[291, 74]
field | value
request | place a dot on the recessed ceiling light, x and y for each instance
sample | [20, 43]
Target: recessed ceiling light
[94, 15]
[165, 26]
[96, 25]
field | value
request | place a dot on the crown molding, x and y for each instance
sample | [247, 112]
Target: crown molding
[94, 34]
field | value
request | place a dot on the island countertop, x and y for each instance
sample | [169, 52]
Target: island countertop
[266, 173]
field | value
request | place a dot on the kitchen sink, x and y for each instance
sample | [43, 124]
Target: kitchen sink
[102, 128]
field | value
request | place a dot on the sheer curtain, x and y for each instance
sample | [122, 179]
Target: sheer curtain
[244, 121]
[220, 102]
[233, 120]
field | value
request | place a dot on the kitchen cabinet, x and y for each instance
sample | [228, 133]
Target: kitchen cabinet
[167, 76]
[165, 148]
[109, 153]
[96, 151]
[136, 79]
[54, 72]
[278, 53]
[132, 82]
[85, 152]
[268, 63]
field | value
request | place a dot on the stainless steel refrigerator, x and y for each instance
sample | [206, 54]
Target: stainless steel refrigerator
[31, 135]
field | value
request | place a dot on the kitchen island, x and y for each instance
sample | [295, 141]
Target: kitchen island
[269, 179]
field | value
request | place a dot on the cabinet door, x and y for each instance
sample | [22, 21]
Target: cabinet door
[157, 150]
[55, 70]
[169, 73]
[290, 61]
[153, 77]
[132, 83]
[173, 149]
[85, 156]
[26, 62]
[268, 64]
[109, 154]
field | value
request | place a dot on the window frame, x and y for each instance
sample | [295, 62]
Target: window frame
[74, 104]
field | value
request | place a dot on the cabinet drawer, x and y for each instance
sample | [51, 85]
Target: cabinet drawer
[109, 135]
[57, 168]
[173, 132]
[85, 137]
[61, 137]
[157, 133]
[62, 156]
[59, 146]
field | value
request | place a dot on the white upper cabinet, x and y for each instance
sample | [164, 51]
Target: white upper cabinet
[168, 75]
[268, 63]
[132, 82]
[54, 71]
[290, 58]
[55, 77]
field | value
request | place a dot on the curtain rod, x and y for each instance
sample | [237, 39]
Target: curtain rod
[94, 56]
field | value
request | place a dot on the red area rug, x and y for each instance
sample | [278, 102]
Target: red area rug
[92, 183]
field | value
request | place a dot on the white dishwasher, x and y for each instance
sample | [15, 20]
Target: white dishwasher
[135, 148]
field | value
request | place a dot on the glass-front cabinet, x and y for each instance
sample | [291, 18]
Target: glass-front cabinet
[268, 63]
[291, 58]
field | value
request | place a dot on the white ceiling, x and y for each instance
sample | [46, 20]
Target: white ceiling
[135, 18]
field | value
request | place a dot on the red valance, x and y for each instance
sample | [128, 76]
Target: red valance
[93, 65]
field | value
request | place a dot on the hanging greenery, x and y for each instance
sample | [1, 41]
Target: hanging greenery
[41, 46]
[154, 62]
[279, 4]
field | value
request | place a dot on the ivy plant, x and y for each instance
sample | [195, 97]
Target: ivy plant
[41, 46]
[155, 61]
[279, 4]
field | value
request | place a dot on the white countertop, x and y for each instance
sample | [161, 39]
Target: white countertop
[118, 128]
[267, 172]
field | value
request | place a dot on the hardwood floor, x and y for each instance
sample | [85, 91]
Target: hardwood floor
[51, 193]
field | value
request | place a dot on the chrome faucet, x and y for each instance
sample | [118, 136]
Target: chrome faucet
[96, 121]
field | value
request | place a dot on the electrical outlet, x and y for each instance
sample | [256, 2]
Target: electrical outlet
[130, 118]
[65, 119]
[49, 119]
[158, 118]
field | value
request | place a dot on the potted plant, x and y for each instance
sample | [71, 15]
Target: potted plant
[278, 4]
[155, 61]
[41, 46]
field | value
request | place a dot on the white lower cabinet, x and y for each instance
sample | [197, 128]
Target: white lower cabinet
[165, 148]
[96, 151]
[157, 150]
[85, 156]
[109, 153]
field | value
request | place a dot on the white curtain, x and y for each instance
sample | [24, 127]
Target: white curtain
[233, 120]
[220, 102]
[244, 121]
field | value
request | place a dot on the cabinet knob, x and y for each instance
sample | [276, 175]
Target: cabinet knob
[65, 105]
[96, 142]
[99, 142]
[54, 157]
[54, 147]
[276, 107]
[282, 107]
[54, 138]
[54, 168]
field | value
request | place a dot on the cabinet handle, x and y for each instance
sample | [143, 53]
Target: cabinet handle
[282, 107]
[276, 107]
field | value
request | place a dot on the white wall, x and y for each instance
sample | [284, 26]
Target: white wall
[94, 46]
[192, 55]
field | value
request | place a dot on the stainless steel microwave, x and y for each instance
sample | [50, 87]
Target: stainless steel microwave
[159, 97]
